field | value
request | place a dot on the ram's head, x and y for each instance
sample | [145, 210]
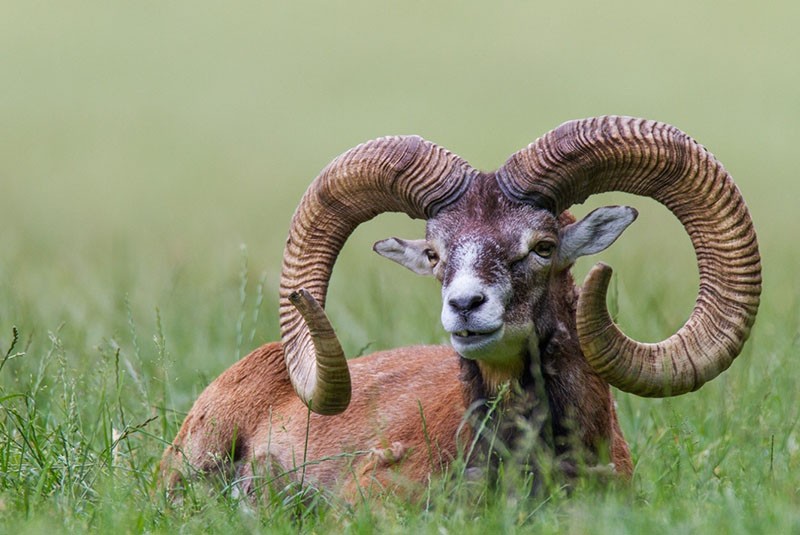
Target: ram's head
[502, 265]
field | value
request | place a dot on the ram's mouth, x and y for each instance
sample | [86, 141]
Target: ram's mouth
[466, 337]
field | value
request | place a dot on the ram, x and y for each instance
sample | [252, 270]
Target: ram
[532, 355]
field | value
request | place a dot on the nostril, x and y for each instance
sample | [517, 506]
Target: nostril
[466, 303]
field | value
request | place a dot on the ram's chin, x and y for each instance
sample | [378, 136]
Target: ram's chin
[495, 347]
[473, 345]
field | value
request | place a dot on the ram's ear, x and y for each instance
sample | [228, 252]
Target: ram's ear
[412, 254]
[593, 233]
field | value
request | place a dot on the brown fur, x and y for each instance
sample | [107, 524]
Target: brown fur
[253, 403]
[249, 417]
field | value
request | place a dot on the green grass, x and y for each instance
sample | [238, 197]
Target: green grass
[142, 144]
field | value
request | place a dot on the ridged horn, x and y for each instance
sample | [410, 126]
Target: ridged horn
[391, 174]
[656, 160]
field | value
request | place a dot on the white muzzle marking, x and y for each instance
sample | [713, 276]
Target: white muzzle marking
[474, 329]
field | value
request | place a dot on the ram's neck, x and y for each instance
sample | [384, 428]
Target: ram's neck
[507, 406]
[497, 378]
[485, 383]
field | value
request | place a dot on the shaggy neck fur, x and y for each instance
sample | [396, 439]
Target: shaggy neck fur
[513, 412]
[509, 419]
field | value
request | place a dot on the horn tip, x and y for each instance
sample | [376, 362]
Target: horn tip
[301, 298]
[601, 271]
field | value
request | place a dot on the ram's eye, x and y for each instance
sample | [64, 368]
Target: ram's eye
[433, 258]
[545, 249]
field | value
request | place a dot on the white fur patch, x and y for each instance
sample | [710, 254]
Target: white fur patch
[466, 282]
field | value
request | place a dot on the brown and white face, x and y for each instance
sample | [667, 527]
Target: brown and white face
[496, 260]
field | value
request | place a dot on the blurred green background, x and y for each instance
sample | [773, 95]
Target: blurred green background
[144, 145]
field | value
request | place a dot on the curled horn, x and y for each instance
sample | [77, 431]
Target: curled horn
[391, 174]
[656, 160]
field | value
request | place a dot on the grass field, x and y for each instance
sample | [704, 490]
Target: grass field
[151, 155]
